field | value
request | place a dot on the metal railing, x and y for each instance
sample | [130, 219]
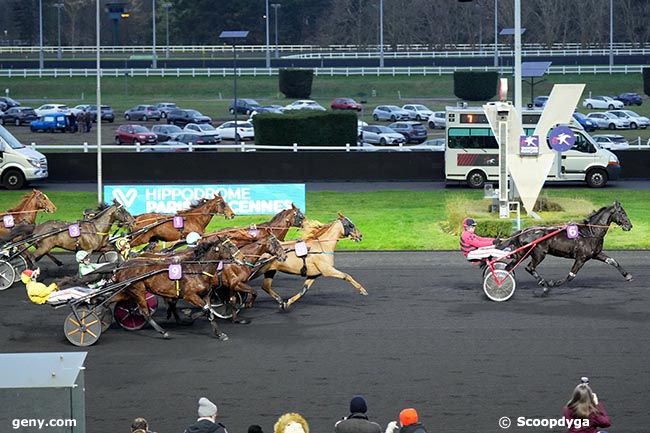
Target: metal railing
[346, 71]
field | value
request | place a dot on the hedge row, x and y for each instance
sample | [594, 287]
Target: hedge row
[306, 127]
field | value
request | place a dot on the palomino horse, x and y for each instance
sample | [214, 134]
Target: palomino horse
[586, 246]
[195, 219]
[321, 242]
[25, 212]
[198, 274]
[93, 233]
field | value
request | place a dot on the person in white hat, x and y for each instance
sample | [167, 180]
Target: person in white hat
[207, 421]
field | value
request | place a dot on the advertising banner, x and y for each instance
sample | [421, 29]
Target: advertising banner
[249, 199]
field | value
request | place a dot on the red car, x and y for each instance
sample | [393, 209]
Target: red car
[345, 104]
[131, 134]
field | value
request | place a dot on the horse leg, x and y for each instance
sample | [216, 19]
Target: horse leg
[330, 271]
[536, 257]
[144, 310]
[305, 287]
[243, 288]
[577, 265]
[266, 286]
[54, 259]
[205, 305]
[610, 261]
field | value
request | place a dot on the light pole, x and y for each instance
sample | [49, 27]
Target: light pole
[518, 98]
[100, 192]
[496, 34]
[58, 7]
[41, 54]
[154, 63]
[611, 35]
[232, 37]
[381, 33]
[268, 46]
[167, 7]
[275, 7]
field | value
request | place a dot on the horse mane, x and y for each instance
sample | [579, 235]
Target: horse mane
[595, 213]
[314, 229]
[23, 200]
[277, 217]
[204, 247]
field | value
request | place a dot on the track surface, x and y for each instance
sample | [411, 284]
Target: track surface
[424, 337]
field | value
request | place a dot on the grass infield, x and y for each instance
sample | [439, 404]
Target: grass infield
[397, 220]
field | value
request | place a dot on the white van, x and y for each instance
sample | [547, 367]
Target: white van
[472, 152]
[19, 164]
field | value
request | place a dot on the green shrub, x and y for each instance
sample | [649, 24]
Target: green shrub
[296, 83]
[307, 128]
[475, 86]
[646, 81]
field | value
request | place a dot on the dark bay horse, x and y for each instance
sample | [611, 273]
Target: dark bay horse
[588, 245]
[199, 270]
[94, 232]
[196, 218]
[321, 243]
[24, 213]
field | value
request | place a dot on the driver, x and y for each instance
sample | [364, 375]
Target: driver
[39, 293]
[470, 241]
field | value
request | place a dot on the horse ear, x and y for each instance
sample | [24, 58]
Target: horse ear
[341, 216]
[293, 206]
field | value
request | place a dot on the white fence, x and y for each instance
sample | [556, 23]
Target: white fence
[347, 71]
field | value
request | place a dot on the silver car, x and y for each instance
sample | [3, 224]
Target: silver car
[383, 135]
[636, 120]
[608, 121]
[390, 112]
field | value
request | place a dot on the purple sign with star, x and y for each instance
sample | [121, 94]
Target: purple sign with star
[529, 145]
[561, 138]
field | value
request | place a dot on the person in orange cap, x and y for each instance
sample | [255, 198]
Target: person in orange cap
[408, 423]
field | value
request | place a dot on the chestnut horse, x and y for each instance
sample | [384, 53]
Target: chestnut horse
[94, 232]
[195, 284]
[195, 219]
[321, 242]
[25, 212]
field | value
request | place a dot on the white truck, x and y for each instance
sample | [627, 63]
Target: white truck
[19, 164]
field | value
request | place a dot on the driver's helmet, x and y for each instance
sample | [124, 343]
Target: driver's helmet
[26, 276]
[192, 238]
[81, 255]
[469, 222]
[122, 244]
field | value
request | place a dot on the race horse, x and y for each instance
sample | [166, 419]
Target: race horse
[586, 246]
[93, 232]
[321, 241]
[24, 214]
[198, 275]
[195, 219]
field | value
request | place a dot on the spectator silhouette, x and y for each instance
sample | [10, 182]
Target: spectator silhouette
[140, 425]
[584, 405]
[357, 421]
[408, 423]
[207, 421]
[291, 423]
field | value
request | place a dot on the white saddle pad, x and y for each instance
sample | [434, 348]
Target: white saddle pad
[486, 253]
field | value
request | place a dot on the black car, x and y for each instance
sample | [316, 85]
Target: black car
[166, 132]
[180, 117]
[244, 106]
[412, 131]
[629, 98]
[19, 116]
[6, 103]
[188, 138]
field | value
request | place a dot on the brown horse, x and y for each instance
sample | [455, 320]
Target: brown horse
[195, 219]
[198, 277]
[25, 212]
[94, 232]
[321, 242]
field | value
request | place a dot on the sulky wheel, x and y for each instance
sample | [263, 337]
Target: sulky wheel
[128, 315]
[223, 309]
[19, 263]
[110, 257]
[7, 274]
[497, 265]
[499, 285]
[82, 329]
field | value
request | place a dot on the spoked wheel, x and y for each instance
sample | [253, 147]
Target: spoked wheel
[83, 329]
[499, 285]
[497, 265]
[7, 275]
[19, 263]
[110, 257]
[128, 315]
[223, 308]
[105, 316]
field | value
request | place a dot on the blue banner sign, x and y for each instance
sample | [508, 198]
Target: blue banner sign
[253, 199]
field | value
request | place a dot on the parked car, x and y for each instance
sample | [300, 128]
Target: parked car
[180, 117]
[203, 129]
[305, 104]
[19, 116]
[611, 141]
[132, 134]
[389, 112]
[190, 137]
[636, 121]
[586, 123]
[7, 102]
[433, 145]
[142, 112]
[50, 123]
[417, 111]
[51, 109]
[602, 102]
[165, 108]
[345, 104]
[275, 109]
[81, 108]
[242, 130]
[168, 146]
[412, 131]
[540, 101]
[108, 114]
[166, 132]
[383, 135]
[438, 120]
[244, 106]
[608, 121]
[629, 98]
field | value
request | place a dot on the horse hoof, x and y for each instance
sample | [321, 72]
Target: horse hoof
[284, 307]
[165, 336]
[541, 294]
[242, 321]
[629, 278]
[542, 283]
[363, 292]
[222, 336]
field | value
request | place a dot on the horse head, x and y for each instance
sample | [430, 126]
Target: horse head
[122, 215]
[296, 215]
[43, 202]
[275, 247]
[349, 229]
[619, 216]
[219, 206]
[219, 248]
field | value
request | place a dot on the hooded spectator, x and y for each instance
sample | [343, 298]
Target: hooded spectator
[357, 421]
[207, 421]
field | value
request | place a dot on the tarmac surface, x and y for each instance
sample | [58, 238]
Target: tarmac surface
[425, 337]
